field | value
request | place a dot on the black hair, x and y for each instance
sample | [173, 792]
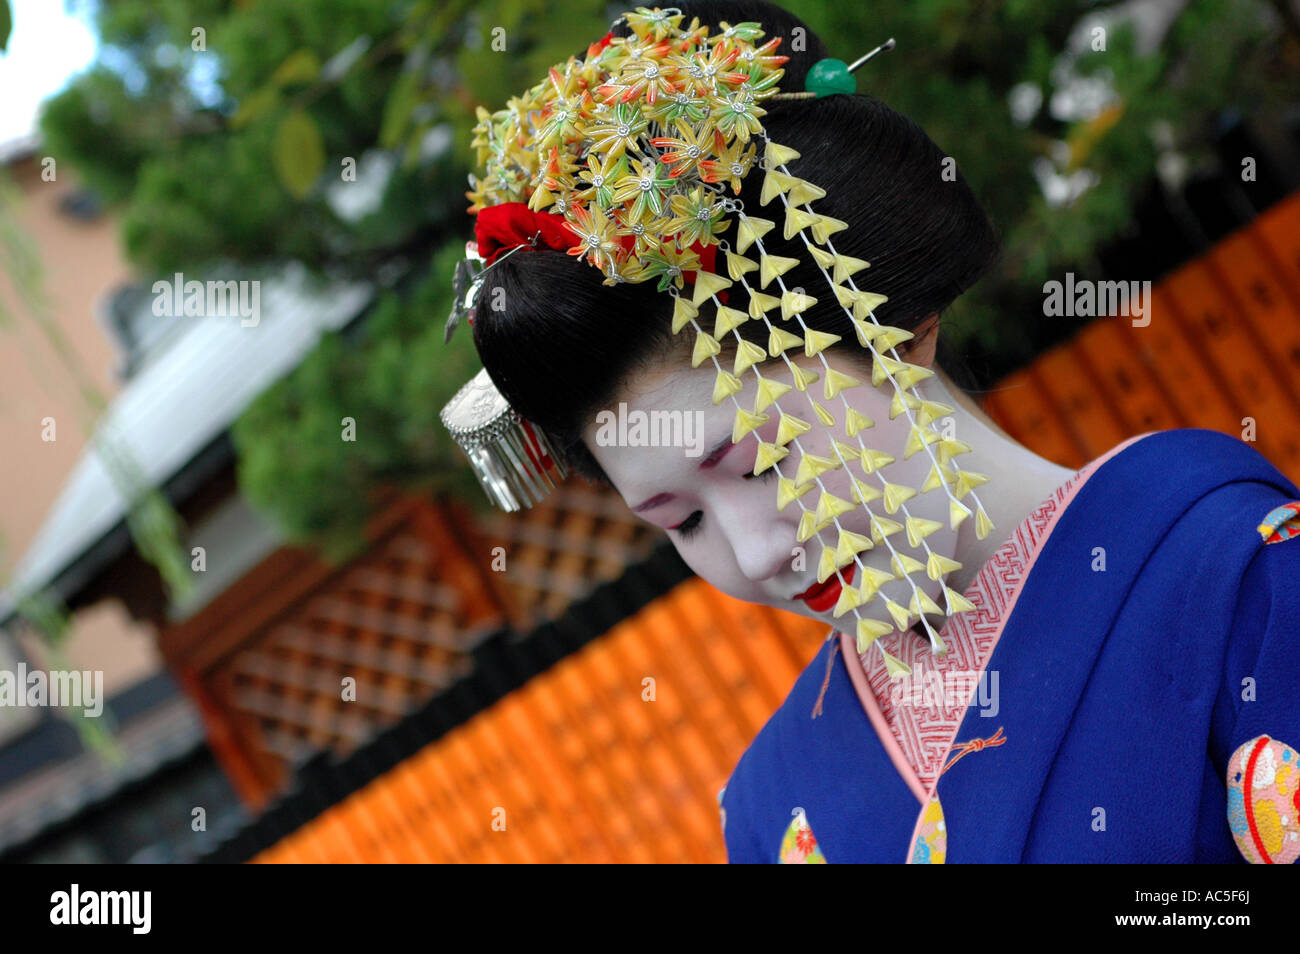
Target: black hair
[564, 342]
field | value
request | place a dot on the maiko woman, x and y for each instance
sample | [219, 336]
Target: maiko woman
[1025, 662]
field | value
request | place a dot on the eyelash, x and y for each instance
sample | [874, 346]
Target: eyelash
[691, 525]
[688, 527]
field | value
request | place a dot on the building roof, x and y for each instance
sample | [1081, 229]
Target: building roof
[66, 788]
[175, 407]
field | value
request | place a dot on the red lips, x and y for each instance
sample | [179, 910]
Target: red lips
[820, 597]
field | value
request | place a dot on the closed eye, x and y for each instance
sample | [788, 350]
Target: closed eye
[690, 526]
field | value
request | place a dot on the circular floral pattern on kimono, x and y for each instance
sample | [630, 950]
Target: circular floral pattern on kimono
[1264, 801]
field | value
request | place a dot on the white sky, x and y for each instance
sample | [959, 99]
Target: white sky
[47, 47]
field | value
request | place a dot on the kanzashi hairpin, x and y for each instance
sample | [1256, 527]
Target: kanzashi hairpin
[514, 460]
[830, 76]
[639, 151]
[468, 279]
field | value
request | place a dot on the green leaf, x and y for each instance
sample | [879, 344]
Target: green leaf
[47, 612]
[301, 66]
[298, 153]
[6, 24]
[397, 110]
[255, 105]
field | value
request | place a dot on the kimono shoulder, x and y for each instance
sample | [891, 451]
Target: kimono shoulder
[1136, 691]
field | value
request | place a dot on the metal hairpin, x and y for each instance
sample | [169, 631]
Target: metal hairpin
[468, 279]
[883, 48]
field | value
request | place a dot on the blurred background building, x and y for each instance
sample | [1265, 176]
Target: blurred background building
[308, 648]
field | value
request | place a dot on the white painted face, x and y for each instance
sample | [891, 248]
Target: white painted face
[724, 521]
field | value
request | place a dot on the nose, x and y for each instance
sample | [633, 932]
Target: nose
[762, 548]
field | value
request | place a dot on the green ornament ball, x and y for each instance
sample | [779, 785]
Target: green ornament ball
[830, 76]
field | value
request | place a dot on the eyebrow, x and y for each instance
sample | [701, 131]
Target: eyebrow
[711, 460]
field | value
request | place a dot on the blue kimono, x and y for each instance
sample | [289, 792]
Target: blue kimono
[1148, 712]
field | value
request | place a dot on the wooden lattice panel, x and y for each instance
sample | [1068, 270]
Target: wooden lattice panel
[400, 620]
[385, 622]
[265, 662]
[557, 552]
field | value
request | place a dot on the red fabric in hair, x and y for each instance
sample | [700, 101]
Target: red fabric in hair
[499, 228]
